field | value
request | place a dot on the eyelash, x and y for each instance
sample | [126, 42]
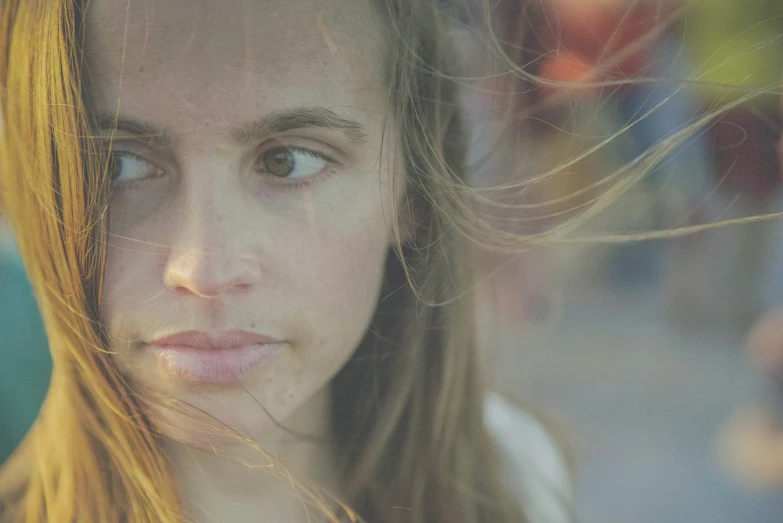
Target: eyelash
[293, 183]
[120, 187]
[299, 183]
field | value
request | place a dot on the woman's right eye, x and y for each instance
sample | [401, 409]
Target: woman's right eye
[129, 167]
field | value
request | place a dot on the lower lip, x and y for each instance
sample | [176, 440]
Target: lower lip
[224, 366]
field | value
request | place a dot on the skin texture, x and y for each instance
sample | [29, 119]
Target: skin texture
[201, 238]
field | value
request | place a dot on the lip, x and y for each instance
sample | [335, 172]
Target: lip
[221, 358]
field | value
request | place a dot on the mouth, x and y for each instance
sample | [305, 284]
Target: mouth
[221, 359]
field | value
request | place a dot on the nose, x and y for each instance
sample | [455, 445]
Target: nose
[206, 261]
[208, 273]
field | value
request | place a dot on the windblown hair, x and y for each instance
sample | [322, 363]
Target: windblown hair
[407, 408]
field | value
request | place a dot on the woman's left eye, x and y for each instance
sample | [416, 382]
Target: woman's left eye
[292, 162]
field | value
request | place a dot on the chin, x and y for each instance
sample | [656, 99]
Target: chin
[203, 416]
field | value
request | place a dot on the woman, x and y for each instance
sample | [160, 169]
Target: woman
[246, 228]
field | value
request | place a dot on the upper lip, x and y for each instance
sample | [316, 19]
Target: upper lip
[216, 341]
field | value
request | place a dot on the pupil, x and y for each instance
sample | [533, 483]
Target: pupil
[279, 162]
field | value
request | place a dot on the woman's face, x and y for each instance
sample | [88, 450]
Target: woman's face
[249, 218]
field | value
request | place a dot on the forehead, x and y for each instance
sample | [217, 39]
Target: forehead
[232, 57]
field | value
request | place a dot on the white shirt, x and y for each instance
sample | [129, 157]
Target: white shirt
[536, 470]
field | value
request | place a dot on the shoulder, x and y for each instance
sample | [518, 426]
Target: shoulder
[536, 467]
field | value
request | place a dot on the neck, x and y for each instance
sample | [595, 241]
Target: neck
[239, 484]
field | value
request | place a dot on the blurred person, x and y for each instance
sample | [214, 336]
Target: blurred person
[747, 165]
[706, 55]
[247, 227]
[733, 49]
[584, 43]
[628, 43]
[590, 41]
[750, 446]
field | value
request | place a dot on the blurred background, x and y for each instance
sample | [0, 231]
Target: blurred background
[639, 355]
[642, 353]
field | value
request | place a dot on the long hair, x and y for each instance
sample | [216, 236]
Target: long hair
[407, 408]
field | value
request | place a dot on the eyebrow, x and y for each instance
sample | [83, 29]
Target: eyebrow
[298, 118]
[268, 125]
[156, 136]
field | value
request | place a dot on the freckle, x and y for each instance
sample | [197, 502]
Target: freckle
[252, 325]
[141, 68]
[219, 219]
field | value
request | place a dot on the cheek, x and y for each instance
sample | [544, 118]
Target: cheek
[337, 271]
[341, 255]
[120, 275]
[340, 275]
[344, 264]
[133, 299]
